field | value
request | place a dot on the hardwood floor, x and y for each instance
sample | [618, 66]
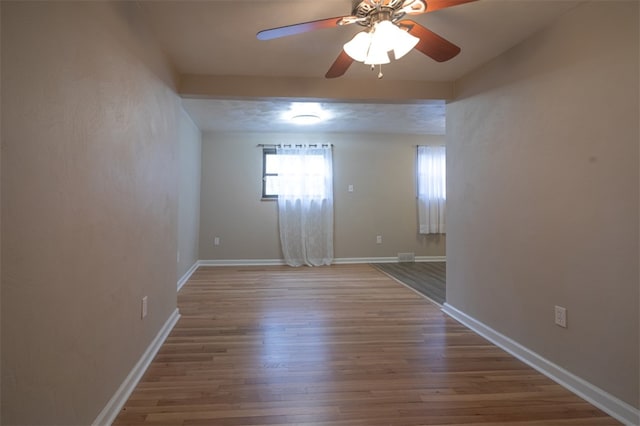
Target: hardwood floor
[338, 345]
[427, 278]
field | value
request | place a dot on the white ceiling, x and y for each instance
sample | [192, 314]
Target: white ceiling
[260, 116]
[218, 38]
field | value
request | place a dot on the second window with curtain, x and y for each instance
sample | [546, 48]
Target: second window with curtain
[432, 189]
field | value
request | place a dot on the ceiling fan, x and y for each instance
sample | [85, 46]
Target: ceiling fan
[385, 32]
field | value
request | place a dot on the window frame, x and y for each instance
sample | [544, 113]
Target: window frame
[267, 151]
[273, 151]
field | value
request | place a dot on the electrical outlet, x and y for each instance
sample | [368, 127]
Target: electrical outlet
[561, 316]
[216, 241]
[379, 239]
[350, 188]
[143, 307]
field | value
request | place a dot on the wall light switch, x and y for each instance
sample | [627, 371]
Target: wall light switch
[216, 241]
[561, 316]
[350, 188]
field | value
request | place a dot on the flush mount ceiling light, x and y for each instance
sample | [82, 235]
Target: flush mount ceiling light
[305, 119]
[305, 113]
[386, 31]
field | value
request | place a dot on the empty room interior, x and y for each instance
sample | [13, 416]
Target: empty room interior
[152, 272]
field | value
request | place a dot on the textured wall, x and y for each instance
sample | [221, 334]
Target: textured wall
[380, 167]
[190, 143]
[89, 204]
[543, 194]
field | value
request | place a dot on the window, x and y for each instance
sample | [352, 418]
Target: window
[432, 189]
[312, 165]
[300, 177]
[269, 173]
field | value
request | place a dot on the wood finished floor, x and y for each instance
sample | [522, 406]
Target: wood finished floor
[427, 278]
[339, 345]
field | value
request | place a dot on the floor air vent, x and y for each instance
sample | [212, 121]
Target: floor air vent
[406, 257]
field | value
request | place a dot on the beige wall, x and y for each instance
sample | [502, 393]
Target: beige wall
[190, 144]
[89, 205]
[380, 167]
[543, 194]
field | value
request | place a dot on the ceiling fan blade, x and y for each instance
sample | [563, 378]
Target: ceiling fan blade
[431, 44]
[433, 5]
[340, 65]
[304, 27]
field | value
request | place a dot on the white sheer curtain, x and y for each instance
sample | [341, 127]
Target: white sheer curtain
[305, 204]
[432, 189]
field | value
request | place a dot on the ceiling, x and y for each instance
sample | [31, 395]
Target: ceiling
[218, 38]
[259, 116]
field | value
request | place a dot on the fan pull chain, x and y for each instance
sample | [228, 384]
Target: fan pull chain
[373, 67]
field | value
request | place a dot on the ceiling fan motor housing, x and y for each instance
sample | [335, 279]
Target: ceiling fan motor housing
[369, 12]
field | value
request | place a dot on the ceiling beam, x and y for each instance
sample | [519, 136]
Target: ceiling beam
[340, 89]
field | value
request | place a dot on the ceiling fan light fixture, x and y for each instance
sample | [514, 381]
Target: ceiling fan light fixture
[372, 47]
[358, 47]
[377, 55]
[394, 38]
[403, 43]
[384, 35]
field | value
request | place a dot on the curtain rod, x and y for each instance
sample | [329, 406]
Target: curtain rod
[274, 145]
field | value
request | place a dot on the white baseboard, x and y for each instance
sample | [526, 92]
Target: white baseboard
[355, 260]
[336, 261]
[187, 275]
[117, 401]
[394, 259]
[241, 262]
[431, 258]
[608, 403]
